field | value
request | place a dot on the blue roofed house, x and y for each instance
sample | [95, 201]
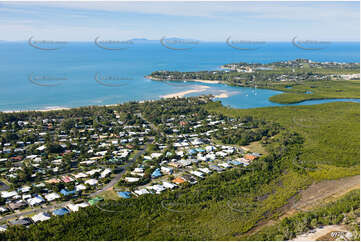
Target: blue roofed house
[201, 150]
[156, 173]
[66, 192]
[60, 211]
[124, 194]
[192, 152]
[234, 162]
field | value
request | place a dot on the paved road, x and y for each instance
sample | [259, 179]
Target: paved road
[36, 210]
[114, 181]
[117, 178]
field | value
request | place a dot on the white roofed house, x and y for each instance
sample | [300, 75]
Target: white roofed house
[92, 172]
[229, 151]
[131, 179]
[197, 173]
[80, 175]
[41, 148]
[24, 189]
[211, 156]
[200, 157]
[80, 187]
[196, 142]
[40, 217]
[137, 174]
[147, 157]
[88, 162]
[6, 194]
[138, 170]
[51, 196]
[205, 170]
[166, 170]
[225, 165]
[37, 200]
[101, 153]
[91, 182]
[221, 153]
[141, 191]
[157, 188]
[169, 185]
[180, 153]
[156, 155]
[26, 196]
[105, 173]
[185, 162]
[210, 148]
[75, 207]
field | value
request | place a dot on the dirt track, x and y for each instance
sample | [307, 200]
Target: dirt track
[325, 191]
[314, 195]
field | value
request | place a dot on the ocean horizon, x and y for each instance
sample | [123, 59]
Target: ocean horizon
[81, 73]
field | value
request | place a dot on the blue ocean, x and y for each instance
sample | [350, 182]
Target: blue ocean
[81, 73]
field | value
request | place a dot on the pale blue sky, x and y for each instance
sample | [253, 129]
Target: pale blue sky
[210, 21]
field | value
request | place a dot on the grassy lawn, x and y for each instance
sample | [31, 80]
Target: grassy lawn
[131, 156]
[256, 147]
[109, 195]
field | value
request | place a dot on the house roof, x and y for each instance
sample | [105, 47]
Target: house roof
[124, 194]
[66, 192]
[179, 180]
[40, 217]
[25, 221]
[60, 211]
[156, 173]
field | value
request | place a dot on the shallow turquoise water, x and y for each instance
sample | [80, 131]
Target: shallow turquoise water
[78, 67]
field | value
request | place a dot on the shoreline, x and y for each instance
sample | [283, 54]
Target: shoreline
[37, 110]
[189, 80]
[183, 93]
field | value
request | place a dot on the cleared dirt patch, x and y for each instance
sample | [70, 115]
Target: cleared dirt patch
[315, 195]
[325, 191]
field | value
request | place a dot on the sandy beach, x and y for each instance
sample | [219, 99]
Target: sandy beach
[182, 94]
[222, 95]
[206, 81]
[37, 110]
[193, 80]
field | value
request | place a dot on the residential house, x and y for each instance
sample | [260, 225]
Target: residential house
[60, 212]
[40, 217]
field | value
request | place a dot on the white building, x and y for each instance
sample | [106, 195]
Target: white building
[52, 196]
[40, 217]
